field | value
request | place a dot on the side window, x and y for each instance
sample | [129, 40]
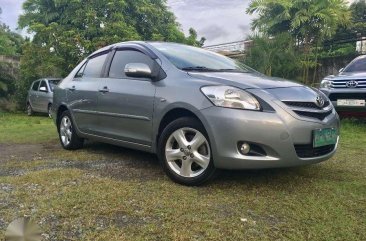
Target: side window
[123, 57]
[43, 84]
[94, 66]
[35, 86]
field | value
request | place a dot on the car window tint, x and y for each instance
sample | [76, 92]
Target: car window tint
[43, 84]
[35, 86]
[123, 57]
[357, 66]
[94, 66]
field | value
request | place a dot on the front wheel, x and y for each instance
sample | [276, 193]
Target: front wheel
[49, 110]
[67, 134]
[185, 152]
[29, 110]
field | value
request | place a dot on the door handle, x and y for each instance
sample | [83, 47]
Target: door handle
[104, 90]
[72, 88]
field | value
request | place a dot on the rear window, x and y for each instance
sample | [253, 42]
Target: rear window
[35, 86]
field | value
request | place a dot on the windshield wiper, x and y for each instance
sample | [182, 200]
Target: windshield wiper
[203, 68]
[233, 70]
[198, 68]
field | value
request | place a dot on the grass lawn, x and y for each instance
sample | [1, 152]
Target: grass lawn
[104, 192]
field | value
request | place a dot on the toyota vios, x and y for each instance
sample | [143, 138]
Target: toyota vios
[197, 110]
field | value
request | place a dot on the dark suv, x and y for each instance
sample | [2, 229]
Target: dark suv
[347, 90]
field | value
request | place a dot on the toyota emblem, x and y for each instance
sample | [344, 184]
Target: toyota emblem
[352, 84]
[319, 101]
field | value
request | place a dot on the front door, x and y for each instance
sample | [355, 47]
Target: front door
[43, 96]
[33, 96]
[125, 108]
[83, 92]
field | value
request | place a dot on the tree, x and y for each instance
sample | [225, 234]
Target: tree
[66, 31]
[78, 27]
[273, 56]
[42, 63]
[308, 21]
[10, 45]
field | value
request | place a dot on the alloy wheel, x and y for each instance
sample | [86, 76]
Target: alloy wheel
[29, 110]
[65, 130]
[50, 111]
[187, 152]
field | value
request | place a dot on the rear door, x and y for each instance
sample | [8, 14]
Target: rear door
[83, 93]
[126, 107]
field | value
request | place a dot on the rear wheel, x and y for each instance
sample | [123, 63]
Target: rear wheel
[185, 152]
[67, 134]
[29, 110]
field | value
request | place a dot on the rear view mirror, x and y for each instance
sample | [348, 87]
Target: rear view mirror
[138, 70]
[43, 89]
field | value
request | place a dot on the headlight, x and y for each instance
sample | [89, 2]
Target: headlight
[231, 97]
[325, 84]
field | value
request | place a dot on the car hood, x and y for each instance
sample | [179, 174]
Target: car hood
[347, 76]
[244, 80]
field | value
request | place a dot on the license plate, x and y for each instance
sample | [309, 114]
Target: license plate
[324, 137]
[342, 102]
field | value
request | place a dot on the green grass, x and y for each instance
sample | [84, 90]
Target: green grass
[19, 128]
[108, 193]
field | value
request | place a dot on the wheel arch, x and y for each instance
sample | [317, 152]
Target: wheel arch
[59, 112]
[172, 114]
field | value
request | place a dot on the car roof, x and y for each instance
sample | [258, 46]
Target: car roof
[360, 57]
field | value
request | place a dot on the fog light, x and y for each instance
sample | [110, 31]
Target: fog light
[244, 148]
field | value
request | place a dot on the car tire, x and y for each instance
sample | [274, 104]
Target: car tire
[185, 153]
[29, 110]
[69, 139]
[49, 110]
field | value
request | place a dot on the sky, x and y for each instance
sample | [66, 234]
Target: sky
[219, 21]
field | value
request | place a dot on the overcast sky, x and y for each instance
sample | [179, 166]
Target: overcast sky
[219, 21]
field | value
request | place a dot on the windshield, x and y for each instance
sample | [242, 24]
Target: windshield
[53, 83]
[196, 59]
[358, 65]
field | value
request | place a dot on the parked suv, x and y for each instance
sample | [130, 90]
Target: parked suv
[347, 90]
[197, 110]
[40, 96]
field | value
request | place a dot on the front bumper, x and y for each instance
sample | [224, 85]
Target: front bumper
[335, 94]
[276, 132]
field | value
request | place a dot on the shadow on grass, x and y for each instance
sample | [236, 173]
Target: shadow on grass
[122, 163]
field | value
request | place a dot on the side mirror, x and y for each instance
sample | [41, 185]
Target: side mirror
[43, 89]
[341, 70]
[138, 70]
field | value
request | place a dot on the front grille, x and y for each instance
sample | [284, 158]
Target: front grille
[308, 151]
[361, 83]
[350, 96]
[310, 105]
[310, 109]
[315, 115]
